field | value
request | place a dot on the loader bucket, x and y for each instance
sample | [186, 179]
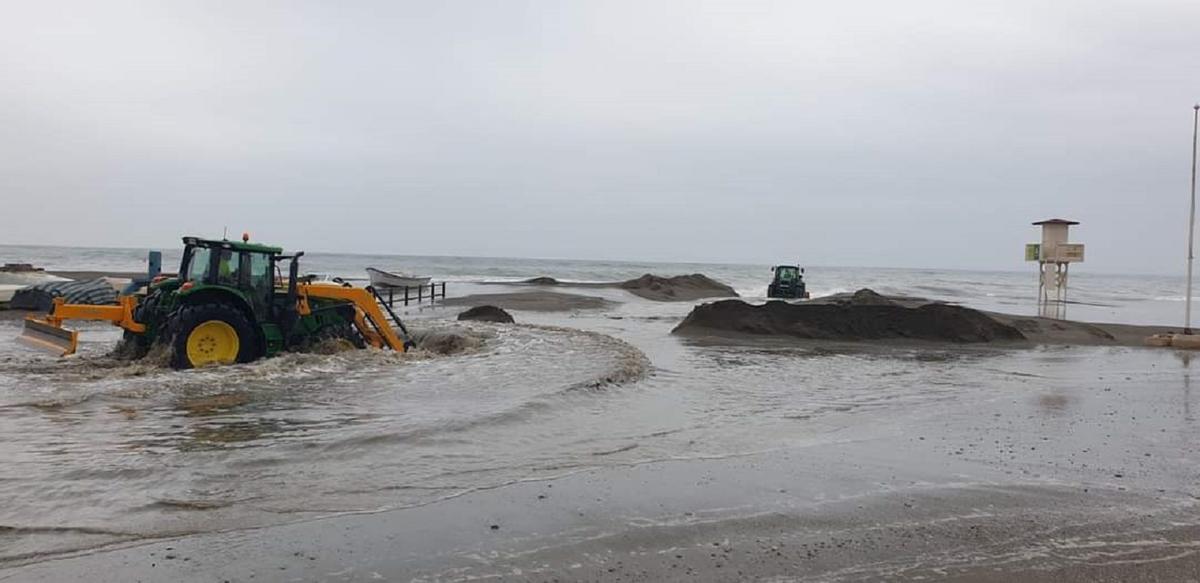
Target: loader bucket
[48, 337]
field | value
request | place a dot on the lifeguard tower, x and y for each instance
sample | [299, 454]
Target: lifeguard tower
[1054, 256]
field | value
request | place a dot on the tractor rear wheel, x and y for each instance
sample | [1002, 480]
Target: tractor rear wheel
[214, 333]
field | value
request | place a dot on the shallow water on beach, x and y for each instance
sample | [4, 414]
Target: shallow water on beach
[97, 451]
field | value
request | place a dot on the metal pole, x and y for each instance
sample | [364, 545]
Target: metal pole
[1065, 277]
[1187, 324]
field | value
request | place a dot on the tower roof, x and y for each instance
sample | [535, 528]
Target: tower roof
[1056, 222]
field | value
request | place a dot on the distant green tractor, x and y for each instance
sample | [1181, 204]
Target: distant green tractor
[229, 303]
[788, 283]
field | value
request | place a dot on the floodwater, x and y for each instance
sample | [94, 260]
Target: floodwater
[95, 451]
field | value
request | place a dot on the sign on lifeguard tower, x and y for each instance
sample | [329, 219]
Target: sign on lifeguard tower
[1054, 256]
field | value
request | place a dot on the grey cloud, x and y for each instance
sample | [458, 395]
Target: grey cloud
[868, 133]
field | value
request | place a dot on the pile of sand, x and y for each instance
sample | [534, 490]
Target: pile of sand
[446, 342]
[486, 314]
[865, 297]
[864, 316]
[678, 288]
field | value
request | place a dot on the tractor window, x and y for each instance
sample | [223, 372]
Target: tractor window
[227, 268]
[260, 271]
[261, 287]
[787, 274]
[198, 264]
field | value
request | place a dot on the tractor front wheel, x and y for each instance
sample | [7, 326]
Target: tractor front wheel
[214, 333]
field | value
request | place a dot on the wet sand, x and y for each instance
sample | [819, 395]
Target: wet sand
[1048, 331]
[536, 301]
[16, 315]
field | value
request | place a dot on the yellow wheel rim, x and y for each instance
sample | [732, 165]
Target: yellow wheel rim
[213, 341]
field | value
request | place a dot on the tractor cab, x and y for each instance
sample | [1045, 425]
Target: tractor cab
[247, 269]
[250, 270]
[229, 263]
[788, 283]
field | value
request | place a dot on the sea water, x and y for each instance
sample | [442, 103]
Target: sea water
[1099, 297]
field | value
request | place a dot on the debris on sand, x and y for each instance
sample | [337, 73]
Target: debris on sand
[677, 288]
[865, 315]
[487, 314]
[19, 268]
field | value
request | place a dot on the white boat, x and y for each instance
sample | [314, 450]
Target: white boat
[381, 278]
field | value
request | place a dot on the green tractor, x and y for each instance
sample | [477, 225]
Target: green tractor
[230, 303]
[788, 283]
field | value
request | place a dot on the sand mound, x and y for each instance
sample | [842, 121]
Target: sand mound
[867, 297]
[678, 288]
[446, 342]
[487, 314]
[871, 317]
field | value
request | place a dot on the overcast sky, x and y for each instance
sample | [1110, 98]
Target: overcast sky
[908, 134]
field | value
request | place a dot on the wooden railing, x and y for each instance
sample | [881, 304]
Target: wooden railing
[405, 295]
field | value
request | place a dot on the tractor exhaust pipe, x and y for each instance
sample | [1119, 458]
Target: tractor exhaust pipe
[48, 337]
